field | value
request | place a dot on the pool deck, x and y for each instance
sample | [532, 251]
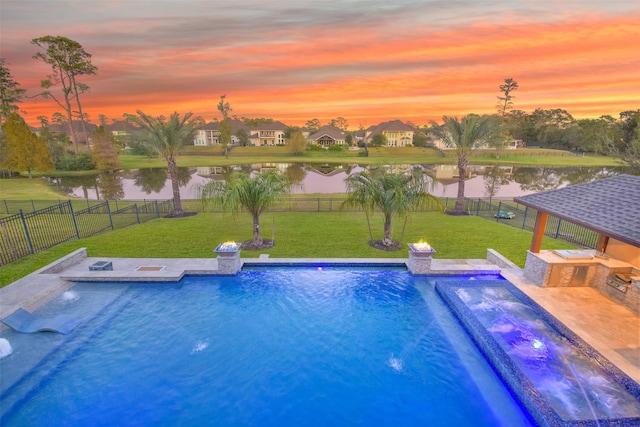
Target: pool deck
[608, 326]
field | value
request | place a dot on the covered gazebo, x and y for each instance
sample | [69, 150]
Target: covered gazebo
[611, 208]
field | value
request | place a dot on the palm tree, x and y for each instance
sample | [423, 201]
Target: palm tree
[242, 191]
[466, 135]
[166, 137]
[390, 194]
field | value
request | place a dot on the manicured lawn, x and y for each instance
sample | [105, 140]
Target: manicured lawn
[28, 189]
[297, 234]
[212, 156]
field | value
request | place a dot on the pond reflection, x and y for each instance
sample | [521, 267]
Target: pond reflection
[481, 181]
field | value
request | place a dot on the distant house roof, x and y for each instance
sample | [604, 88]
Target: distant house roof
[392, 126]
[608, 206]
[272, 126]
[236, 125]
[331, 131]
[120, 126]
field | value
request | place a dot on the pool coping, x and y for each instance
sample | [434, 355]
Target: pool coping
[510, 374]
[37, 288]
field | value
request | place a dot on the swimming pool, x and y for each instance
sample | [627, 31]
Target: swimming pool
[276, 346]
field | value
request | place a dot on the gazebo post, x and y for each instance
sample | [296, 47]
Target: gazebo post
[602, 243]
[538, 231]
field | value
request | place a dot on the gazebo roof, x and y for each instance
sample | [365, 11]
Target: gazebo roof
[608, 206]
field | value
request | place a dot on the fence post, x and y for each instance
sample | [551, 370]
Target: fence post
[33, 206]
[499, 209]
[75, 223]
[110, 217]
[478, 208]
[330, 204]
[524, 217]
[6, 206]
[157, 209]
[26, 232]
[558, 228]
[137, 214]
[318, 201]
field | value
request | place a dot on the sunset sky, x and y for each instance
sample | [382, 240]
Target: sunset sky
[365, 60]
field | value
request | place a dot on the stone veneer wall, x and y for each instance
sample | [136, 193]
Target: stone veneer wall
[630, 298]
[541, 273]
[419, 264]
[64, 262]
[536, 269]
[229, 265]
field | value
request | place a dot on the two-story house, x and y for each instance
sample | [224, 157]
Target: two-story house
[269, 134]
[209, 134]
[396, 132]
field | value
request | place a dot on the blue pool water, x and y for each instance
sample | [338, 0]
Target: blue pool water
[281, 347]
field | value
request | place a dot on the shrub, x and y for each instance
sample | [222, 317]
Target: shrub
[71, 162]
[335, 148]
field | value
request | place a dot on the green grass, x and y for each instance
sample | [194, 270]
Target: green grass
[212, 156]
[28, 189]
[312, 235]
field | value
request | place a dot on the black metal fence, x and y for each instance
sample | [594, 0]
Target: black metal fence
[27, 227]
[27, 233]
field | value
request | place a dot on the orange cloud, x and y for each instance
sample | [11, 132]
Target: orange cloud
[588, 66]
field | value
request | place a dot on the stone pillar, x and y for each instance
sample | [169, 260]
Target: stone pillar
[229, 263]
[420, 262]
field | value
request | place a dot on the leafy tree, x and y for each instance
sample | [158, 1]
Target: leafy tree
[419, 139]
[348, 139]
[629, 124]
[379, 140]
[595, 134]
[243, 137]
[57, 143]
[297, 142]
[105, 155]
[10, 93]
[340, 122]
[313, 126]
[166, 137]
[505, 101]
[68, 61]
[628, 149]
[390, 194]
[549, 125]
[224, 107]
[254, 123]
[466, 135]
[225, 135]
[242, 191]
[23, 150]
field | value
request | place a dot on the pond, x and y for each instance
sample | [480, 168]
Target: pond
[503, 182]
